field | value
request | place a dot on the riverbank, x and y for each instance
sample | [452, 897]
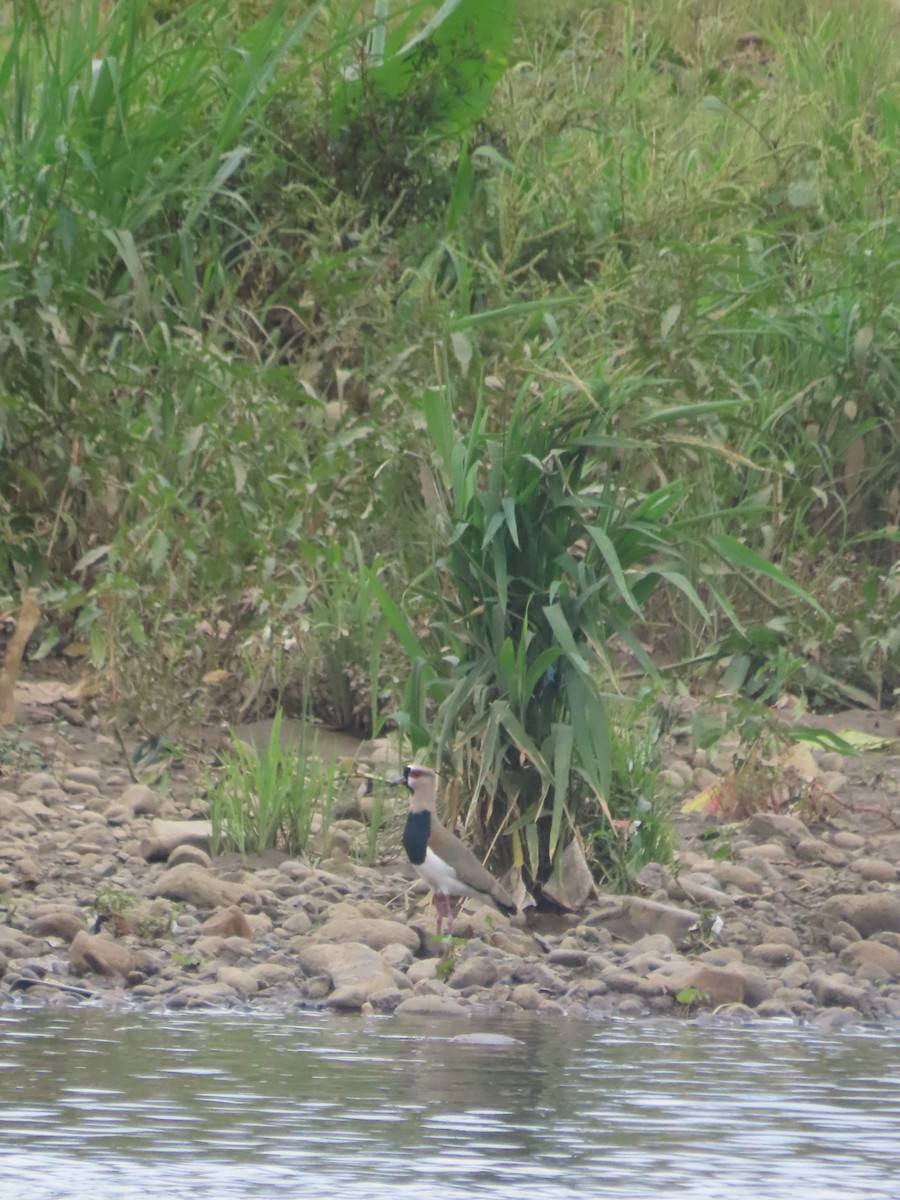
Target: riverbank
[108, 895]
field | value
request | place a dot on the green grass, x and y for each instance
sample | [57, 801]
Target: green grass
[275, 798]
[219, 339]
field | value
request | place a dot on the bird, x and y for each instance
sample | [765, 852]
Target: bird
[446, 864]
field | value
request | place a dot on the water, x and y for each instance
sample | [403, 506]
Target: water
[236, 1107]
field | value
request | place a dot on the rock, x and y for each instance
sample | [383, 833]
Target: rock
[764, 826]
[700, 890]
[203, 995]
[733, 875]
[537, 973]
[574, 885]
[86, 775]
[757, 987]
[63, 923]
[142, 800]
[868, 912]
[846, 839]
[193, 884]
[526, 996]
[373, 932]
[164, 836]
[818, 851]
[649, 916]
[431, 1006]
[227, 922]
[832, 1019]
[423, 968]
[883, 961]
[774, 953]
[348, 965]
[877, 869]
[718, 985]
[631, 1006]
[299, 923]
[37, 782]
[98, 954]
[243, 981]
[496, 1041]
[477, 971]
[189, 854]
[653, 877]
[837, 991]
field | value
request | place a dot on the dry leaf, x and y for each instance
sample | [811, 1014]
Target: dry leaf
[216, 676]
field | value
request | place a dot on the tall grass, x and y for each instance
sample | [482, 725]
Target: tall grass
[214, 337]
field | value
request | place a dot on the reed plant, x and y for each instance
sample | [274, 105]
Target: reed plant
[277, 797]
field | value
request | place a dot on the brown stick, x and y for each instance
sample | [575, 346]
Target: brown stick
[29, 615]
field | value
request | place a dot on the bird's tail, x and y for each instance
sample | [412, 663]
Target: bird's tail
[503, 900]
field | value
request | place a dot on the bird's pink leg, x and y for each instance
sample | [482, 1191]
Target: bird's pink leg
[451, 914]
[439, 916]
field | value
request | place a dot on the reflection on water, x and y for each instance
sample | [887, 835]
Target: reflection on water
[214, 1107]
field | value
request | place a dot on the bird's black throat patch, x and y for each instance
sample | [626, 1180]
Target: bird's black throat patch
[415, 836]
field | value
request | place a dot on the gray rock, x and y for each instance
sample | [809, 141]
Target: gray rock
[189, 854]
[164, 836]
[142, 800]
[648, 916]
[764, 826]
[373, 932]
[497, 1041]
[348, 965]
[99, 955]
[868, 912]
[877, 869]
[59, 922]
[228, 922]
[193, 884]
[883, 961]
[240, 979]
[775, 954]
[428, 1005]
[718, 985]
[733, 875]
[478, 971]
[837, 991]
[818, 851]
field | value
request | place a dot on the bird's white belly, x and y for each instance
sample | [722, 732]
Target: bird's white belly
[441, 877]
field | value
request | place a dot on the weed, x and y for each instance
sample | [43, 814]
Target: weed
[447, 962]
[278, 797]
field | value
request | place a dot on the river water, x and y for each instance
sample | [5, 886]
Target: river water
[219, 1106]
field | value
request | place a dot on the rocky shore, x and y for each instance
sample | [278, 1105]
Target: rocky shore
[108, 895]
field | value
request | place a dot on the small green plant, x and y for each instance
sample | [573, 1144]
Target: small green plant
[277, 797]
[447, 963]
[641, 831]
[692, 997]
[112, 901]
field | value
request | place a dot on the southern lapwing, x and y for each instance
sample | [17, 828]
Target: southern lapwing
[446, 864]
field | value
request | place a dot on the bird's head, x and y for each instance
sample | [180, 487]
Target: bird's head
[421, 783]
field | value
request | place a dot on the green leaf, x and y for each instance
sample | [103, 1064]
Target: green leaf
[742, 558]
[604, 544]
[563, 633]
[509, 510]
